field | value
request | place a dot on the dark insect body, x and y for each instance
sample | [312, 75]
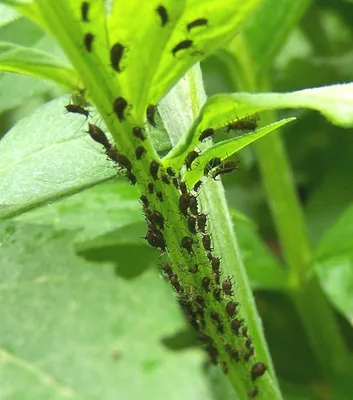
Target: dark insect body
[98, 135]
[205, 338]
[156, 239]
[197, 186]
[186, 243]
[131, 177]
[213, 163]
[194, 269]
[248, 343]
[160, 196]
[213, 353]
[88, 41]
[157, 219]
[226, 168]
[150, 113]
[170, 171]
[113, 153]
[162, 12]
[139, 152]
[201, 222]
[116, 55]
[150, 187]
[123, 161]
[235, 355]
[231, 308]
[249, 354]
[206, 242]
[119, 107]
[192, 225]
[167, 269]
[243, 124]
[184, 203]
[215, 317]
[217, 294]
[253, 392]
[154, 168]
[244, 331]
[227, 286]
[197, 22]
[258, 370]
[84, 11]
[224, 367]
[183, 187]
[185, 44]
[190, 158]
[200, 300]
[206, 134]
[145, 201]
[175, 183]
[176, 284]
[137, 131]
[193, 205]
[205, 283]
[76, 109]
[227, 348]
[235, 325]
[165, 179]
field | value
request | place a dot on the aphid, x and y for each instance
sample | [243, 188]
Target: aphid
[249, 354]
[194, 269]
[217, 294]
[235, 325]
[206, 134]
[123, 161]
[116, 55]
[160, 196]
[76, 109]
[186, 243]
[257, 370]
[98, 135]
[162, 12]
[145, 201]
[131, 177]
[243, 124]
[154, 168]
[244, 331]
[216, 263]
[248, 343]
[183, 187]
[185, 44]
[197, 186]
[184, 203]
[88, 41]
[190, 158]
[213, 353]
[205, 283]
[206, 241]
[150, 112]
[158, 219]
[84, 11]
[156, 239]
[113, 153]
[235, 354]
[200, 300]
[224, 367]
[165, 179]
[138, 132]
[150, 187]
[193, 205]
[201, 222]
[205, 338]
[175, 183]
[192, 225]
[215, 317]
[176, 284]
[226, 168]
[213, 163]
[167, 269]
[210, 256]
[231, 308]
[227, 348]
[170, 171]
[227, 287]
[197, 22]
[119, 107]
[253, 392]
[139, 152]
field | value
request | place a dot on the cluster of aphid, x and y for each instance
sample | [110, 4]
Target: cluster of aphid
[206, 288]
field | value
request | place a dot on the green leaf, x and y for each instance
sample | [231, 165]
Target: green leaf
[35, 63]
[47, 156]
[75, 331]
[333, 263]
[7, 15]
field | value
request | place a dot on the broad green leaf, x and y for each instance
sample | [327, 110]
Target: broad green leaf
[26, 7]
[37, 64]
[75, 331]
[334, 263]
[7, 15]
[225, 149]
[48, 156]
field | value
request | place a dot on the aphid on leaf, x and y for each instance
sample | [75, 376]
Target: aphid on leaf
[175, 183]
[138, 132]
[217, 294]
[131, 177]
[144, 201]
[193, 205]
[190, 158]
[186, 243]
[192, 224]
[184, 203]
[119, 107]
[235, 325]
[227, 286]
[231, 308]
[205, 283]
[165, 179]
[243, 124]
[156, 239]
[158, 219]
[206, 134]
[225, 168]
[213, 163]
[76, 109]
[139, 152]
[185, 44]
[201, 222]
[170, 171]
[150, 187]
[84, 11]
[206, 241]
[150, 114]
[162, 12]
[154, 168]
[253, 392]
[160, 196]
[98, 135]
[116, 55]
[197, 22]
[258, 370]
[88, 41]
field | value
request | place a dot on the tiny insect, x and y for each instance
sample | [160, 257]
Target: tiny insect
[170, 171]
[186, 243]
[88, 41]
[84, 11]
[258, 370]
[192, 224]
[253, 392]
[224, 367]
[150, 114]
[206, 134]
[235, 354]
[98, 135]
[145, 201]
[249, 354]
[248, 342]
[154, 168]
[139, 152]
[213, 353]
[217, 294]
[158, 219]
[206, 242]
[225, 168]
[231, 308]
[76, 109]
[185, 44]
[205, 283]
[193, 205]
[190, 158]
[162, 12]
[243, 124]
[150, 187]
[119, 107]
[123, 161]
[213, 163]
[183, 187]
[156, 239]
[194, 269]
[138, 132]
[235, 325]
[165, 179]
[184, 203]
[175, 183]
[167, 269]
[201, 222]
[227, 286]
[197, 186]
[131, 177]
[197, 22]
[215, 317]
[160, 196]
[116, 55]
[176, 284]
[200, 300]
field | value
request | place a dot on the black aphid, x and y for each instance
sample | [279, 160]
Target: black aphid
[194, 269]
[205, 283]
[235, 355]
[206, 134]
[231, 308]
[200, 301]
[167, 269]
[201, 222]
[176, 284]
[139, 152]
[225, 168]
[162, 12]
[165, 179]
[154, 168]
[183, 187]
[76, 109]
[243, 124]
[197, 186]
[98, 135]
[138, 132]
[217, 294]
[247, 355]
[175, 183]
[248, 342]
[150, 187]
[150, 113]
[157, 219]
[184, 203]
[160, 196]
[185, 44]
[186, 243]
[116, 55]
[88, 41]
[119, 107]
[124, 161]
[215, 316]
[190, 158]
[235, 325]
[84, 11]
[253, 392]
[144, 201]
[197, 22]
[227, 286]
[258, 370]
[206, 242]
[156, 239]
[213, 353]
[192, 224]
[224, 367]
[213, 163]
[170, 171]
[131, 177]
[193, 205]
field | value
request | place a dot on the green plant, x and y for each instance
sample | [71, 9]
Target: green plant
[126, 59]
